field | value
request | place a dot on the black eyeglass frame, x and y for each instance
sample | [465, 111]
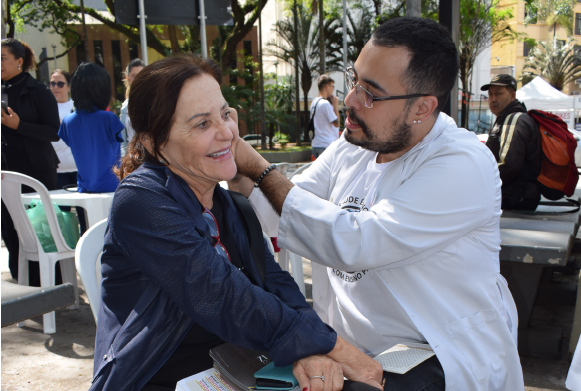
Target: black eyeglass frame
[351, 85]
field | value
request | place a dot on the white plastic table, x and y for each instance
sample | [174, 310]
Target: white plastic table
[96, 205]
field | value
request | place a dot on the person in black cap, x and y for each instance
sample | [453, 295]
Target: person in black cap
[515, 142]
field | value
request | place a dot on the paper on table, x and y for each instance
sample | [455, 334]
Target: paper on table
[403, 357]
[209, 380]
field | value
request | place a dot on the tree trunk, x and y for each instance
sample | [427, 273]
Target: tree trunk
[173, 38]
[413, 8]
[297, 90]
[321, 39]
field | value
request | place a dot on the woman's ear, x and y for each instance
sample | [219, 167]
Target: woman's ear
[147, 144]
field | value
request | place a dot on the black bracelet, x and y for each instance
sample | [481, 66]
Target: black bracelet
[271, 167]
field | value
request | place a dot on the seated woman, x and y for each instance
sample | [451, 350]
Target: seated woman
[178, 274]
[92, 133]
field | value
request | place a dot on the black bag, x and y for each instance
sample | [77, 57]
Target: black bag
[310, 131]
[253, 231]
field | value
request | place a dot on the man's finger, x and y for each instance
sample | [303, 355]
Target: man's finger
[302, 377]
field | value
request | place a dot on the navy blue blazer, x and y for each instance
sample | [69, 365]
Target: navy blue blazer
[161, 275]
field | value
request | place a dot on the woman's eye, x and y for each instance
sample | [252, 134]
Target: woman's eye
[226, 115]
[203, 125]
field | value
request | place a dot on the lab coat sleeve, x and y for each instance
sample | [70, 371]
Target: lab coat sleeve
[448, 196]
[316, 180]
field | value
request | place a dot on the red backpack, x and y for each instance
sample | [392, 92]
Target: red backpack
[559, 175]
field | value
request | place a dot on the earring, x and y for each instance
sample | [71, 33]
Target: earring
[19, 67]
[419, 122]
[163, 161]
[414, 122]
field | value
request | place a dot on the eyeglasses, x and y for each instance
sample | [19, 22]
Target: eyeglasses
[215, 233]
[60, 84]
[365, 97]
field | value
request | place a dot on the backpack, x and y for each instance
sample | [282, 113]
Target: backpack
[559, 174]
[310, 131]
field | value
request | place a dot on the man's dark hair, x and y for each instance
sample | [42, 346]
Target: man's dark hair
[324, 81]
[90, 87]
[433, 66]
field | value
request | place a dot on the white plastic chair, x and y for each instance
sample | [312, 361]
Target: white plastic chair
[88, 261]
[30, 247]
[296, 261]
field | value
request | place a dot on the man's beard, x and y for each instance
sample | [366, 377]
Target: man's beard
[400, 139]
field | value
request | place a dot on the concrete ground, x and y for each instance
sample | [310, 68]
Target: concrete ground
[33, 361]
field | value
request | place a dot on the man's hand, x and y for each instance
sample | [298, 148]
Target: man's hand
[357, 366]
[12, 120]
[318, 365]
[334, 102]
[249, 162]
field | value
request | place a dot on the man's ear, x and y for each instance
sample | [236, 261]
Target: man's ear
[427, 105]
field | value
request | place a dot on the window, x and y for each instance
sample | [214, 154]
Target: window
[81, 55]
[527, 46]
[98, 48]
[577, 24]
[530, 14]
[133, 52]
[117, 70]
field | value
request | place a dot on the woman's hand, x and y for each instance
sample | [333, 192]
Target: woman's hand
[319, 366]
[357, 366]
[12, 120]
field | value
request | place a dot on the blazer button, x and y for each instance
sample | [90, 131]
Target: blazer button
[104, 357]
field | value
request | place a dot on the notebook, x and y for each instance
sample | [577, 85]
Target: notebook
[403, 357]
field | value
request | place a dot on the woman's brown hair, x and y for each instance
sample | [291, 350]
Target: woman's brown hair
[152, 103]
[20, 49]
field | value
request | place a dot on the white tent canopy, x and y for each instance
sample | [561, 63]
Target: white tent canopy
[538, 94]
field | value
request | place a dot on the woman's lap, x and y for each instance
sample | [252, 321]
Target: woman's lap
[428, 376]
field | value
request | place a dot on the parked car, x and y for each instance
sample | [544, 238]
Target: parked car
[254, 139]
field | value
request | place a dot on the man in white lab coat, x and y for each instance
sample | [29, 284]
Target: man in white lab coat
[401, 214]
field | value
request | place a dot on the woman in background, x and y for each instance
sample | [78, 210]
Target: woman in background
[133, 68]
[60, 85]
[29, 125]
[92, 133]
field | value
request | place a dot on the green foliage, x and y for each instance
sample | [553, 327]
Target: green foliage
[553, 12]
[482, 23]
[558, 64]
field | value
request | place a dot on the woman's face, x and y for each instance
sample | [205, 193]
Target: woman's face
[200, 140]
[60, 93]
[131, 75]
[10, 64]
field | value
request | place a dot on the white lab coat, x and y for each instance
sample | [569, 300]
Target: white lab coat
[432, 233]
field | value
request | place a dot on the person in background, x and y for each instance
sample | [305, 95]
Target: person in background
[29, 125]
[93, 133]
[133, 68]
[326, 116]
[60, 85]
[515, 142]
